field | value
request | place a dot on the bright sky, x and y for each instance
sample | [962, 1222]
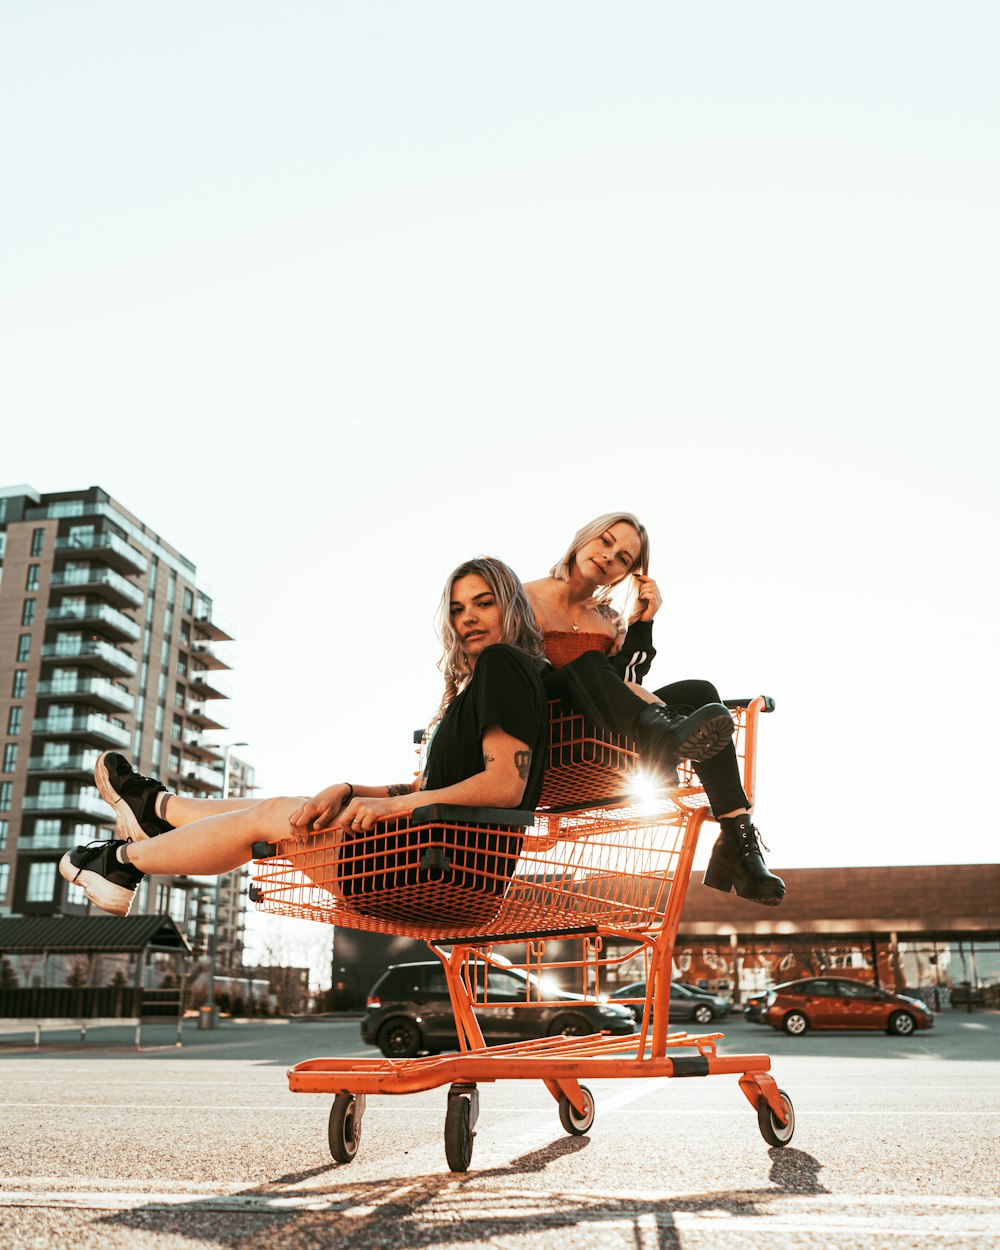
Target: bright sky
[335, 295]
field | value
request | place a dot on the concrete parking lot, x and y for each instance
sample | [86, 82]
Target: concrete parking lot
[896, 1145]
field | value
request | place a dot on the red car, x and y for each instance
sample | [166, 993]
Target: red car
[839, 1003]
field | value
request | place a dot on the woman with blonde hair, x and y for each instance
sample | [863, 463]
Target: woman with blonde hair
[488, 750]
[599, 658]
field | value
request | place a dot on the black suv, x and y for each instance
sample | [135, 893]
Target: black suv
[409, 1011]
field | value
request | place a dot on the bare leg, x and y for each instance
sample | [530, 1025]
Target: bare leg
[180, 810]
[645, 695]
[215, 844]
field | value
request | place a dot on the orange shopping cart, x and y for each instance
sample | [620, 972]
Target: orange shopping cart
[597, 874]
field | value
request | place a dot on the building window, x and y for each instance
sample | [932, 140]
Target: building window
[172, 588]
[41, 883]
[177, 730]
[76, 894]
[157, 752]
[10, 757]
[37, 542]
[188, 602]
[168, 622]
[47, 831]
[20, 684]
[178, 905]
[4, 880]
[158, 720]
[14, 721]
[178, 696]
[137, 742]
[4, 826]
[24, 648]
[175, 764]
[28, 612]
[6, 795]
[34, 574]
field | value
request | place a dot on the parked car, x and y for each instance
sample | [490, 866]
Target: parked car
[702, 992]
[409, 1011]
[840, 1003]
[753, 1008]
[685, 1004]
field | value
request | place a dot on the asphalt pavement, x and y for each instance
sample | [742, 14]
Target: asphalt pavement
[896, 1145]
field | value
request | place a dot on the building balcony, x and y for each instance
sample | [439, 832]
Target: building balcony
[92, 728]
[92, 653]
[98, 616]
[200, 777]
[209, 624]
[206, 752]
[107, 547]
[208, 686]
[78, 762]
[208, 657]
[69, 803]
[104, 582]
[204, 719]
[94, 690]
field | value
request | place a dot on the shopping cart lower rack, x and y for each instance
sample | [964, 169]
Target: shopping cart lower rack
[601, 882]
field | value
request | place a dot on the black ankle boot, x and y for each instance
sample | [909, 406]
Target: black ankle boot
[667, 736]
[737, 864]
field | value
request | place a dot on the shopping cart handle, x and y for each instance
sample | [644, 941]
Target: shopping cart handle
[264, 850]
[452, 813]
[768, 702]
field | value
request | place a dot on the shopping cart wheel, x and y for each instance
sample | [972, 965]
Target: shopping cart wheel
[774, 1133]
[460, 1126]
[345, 1126]
[571, 1120]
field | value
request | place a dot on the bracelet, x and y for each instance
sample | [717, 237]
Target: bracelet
[350, 793]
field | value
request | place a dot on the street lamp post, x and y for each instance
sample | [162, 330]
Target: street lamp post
[213, 933]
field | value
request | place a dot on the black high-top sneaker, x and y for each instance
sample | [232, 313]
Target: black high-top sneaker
[131, 795]
[109, 884]
[737, 864]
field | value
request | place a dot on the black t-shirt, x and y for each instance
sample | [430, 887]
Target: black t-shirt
[505, 690]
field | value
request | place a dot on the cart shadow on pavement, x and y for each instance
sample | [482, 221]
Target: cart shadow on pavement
[447, 1209]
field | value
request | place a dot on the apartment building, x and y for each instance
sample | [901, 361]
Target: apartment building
[107, 641]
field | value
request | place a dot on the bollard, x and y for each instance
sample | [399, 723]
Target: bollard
[208, 1017]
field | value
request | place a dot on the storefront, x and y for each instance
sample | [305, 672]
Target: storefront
[931, 930]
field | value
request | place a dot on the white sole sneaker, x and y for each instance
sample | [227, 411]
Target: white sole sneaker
[104, 894]
[125, 819]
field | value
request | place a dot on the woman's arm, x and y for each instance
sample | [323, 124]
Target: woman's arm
[633, 660]
[322, 809]
[506, 765]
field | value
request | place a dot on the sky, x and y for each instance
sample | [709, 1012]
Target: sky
[336, 295]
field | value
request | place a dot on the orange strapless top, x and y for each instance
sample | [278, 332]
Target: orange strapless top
[561, 646]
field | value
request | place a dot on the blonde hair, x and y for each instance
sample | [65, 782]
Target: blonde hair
[517, 624]
[594, 529]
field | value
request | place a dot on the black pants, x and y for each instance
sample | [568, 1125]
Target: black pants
[591, 684]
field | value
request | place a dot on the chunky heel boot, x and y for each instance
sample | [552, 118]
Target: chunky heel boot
[666, 737]
[737, 864]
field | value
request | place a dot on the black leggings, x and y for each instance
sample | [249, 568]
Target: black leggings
[592, 685]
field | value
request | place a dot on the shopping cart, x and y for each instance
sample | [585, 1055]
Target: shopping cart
[600, 871]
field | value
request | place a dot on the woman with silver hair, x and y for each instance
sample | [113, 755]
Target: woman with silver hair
[599, 659]
[487, 750]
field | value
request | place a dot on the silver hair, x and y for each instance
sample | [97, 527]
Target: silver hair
[517, 623]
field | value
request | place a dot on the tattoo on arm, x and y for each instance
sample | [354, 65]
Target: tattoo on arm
[522, 760]
[487, 759]
[396, 790]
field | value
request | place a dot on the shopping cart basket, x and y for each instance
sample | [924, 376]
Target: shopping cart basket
[600, 869]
